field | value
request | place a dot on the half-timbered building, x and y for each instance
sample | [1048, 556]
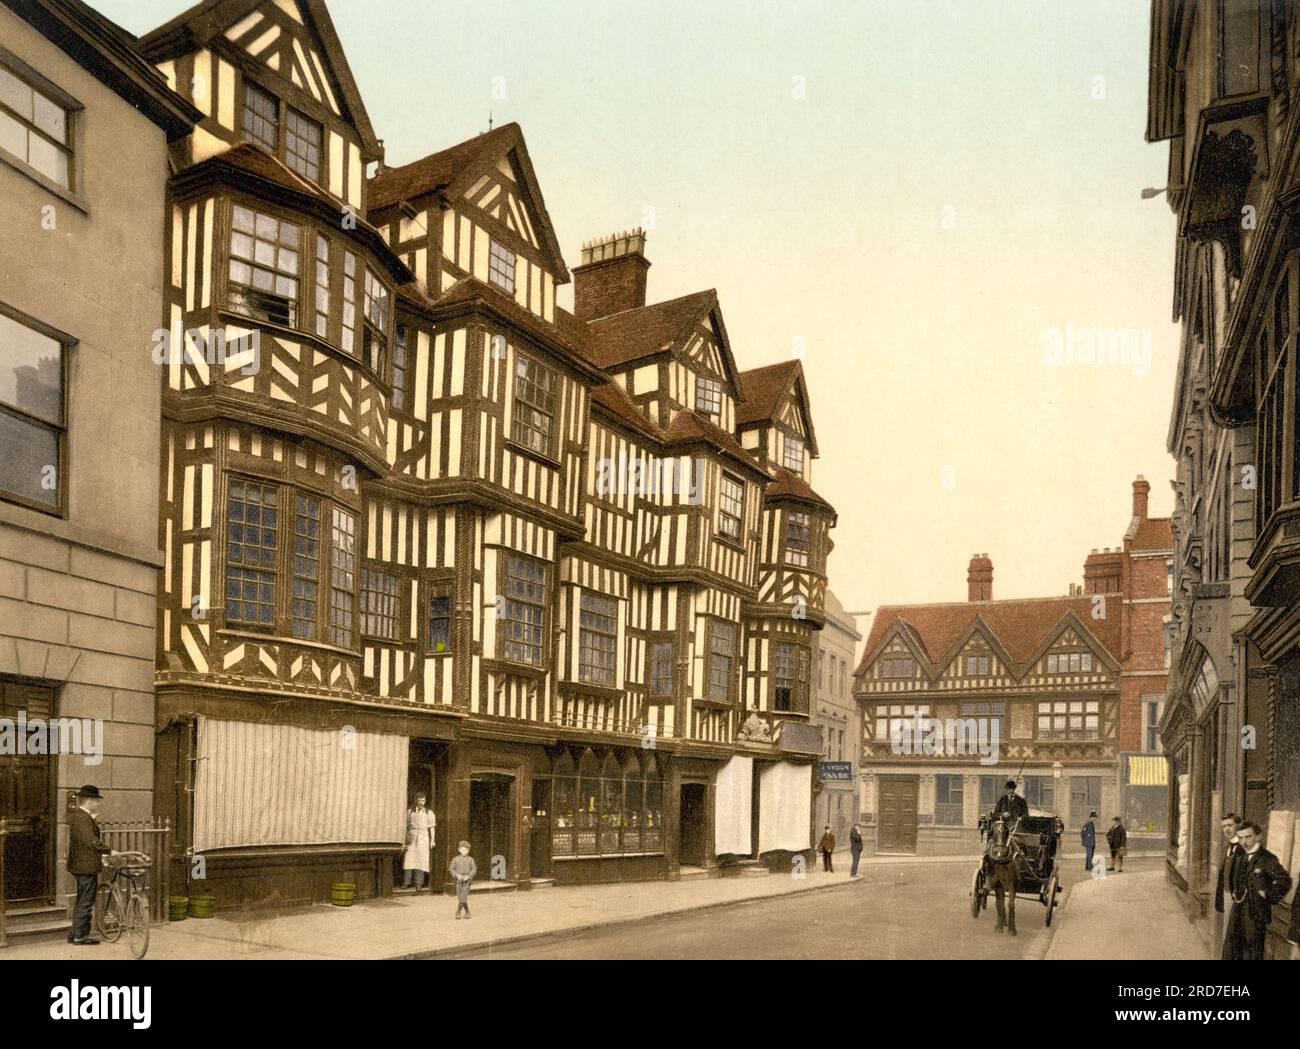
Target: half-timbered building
[957, 698]
[424, 529]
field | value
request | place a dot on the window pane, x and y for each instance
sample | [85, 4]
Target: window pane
[13, 135]
[15, 94]
[31, 371]
[49, 117]
[27, 451]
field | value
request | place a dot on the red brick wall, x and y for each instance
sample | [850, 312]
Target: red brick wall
[1144, 637]
[609, 286]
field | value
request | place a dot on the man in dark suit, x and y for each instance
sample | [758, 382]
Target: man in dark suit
[1257, 881]
[1089, 838]
[1011, 803]
[1228, 825]
[86, 850]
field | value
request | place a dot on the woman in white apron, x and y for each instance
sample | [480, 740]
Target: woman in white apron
[420, 823]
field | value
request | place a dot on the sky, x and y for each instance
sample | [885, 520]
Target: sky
[936, 202]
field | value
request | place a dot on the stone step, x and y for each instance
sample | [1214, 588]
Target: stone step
[40, 922]
[746, 869]
[687, 873]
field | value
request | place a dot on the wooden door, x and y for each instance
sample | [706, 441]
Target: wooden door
[897, 818]
[539, 854]
[489, 824]
[27, 800]
[693, 825]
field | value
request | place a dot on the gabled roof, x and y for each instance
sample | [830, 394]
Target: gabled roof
[111, 54]
[453, 170]
[1021, 626]
[195, 28]
[765, 387]
[689, 427]
[634, 334]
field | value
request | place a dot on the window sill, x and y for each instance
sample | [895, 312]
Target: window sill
[45, 182]
[728, 541]
[542, 457]
[507, 666]
[255, 635]
[243, 320]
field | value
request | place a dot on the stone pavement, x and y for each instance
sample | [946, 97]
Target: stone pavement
[1131, 916]
[424, 926]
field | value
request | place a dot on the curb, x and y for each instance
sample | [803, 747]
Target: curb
[512, 941]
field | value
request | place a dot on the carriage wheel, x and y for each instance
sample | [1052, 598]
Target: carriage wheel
[1050, 898]
[979, 894]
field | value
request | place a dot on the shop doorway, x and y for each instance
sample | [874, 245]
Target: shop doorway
[1085, 797]
[897, 831]
[489, 824]
[421, 778]
[693, 825]
[539, 849]
[27, 801]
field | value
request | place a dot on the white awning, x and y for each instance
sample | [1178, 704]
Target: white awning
[734, 806]
[259, 784]
[785, 807]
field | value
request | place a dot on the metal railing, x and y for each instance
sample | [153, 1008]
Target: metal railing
[152, 837]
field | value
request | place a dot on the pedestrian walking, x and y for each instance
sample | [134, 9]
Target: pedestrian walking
[1089, 837]
[86, 852]
[855, 849]
[1257, 881]
[420, 826]
[462, 868]
[827, 845]
[1117, 839]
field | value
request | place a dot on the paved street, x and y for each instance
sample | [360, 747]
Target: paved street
[913, 911]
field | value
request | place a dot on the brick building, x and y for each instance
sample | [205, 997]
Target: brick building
[1060, 690]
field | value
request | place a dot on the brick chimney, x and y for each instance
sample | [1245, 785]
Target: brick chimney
[979, 578]
[612, 276]
[1141, 489]
[1103, 571]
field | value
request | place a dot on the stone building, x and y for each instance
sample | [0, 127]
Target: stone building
[84, 128]
[837, 715]
[1223, 83]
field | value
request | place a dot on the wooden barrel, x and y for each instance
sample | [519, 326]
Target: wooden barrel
[343, 893]
[203, 906]
[178, 908]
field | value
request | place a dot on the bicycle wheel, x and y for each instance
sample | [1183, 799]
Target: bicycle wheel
[108, 917]
[137, 923]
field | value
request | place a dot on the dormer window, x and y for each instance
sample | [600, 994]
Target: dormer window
[261, 117]
[501, 267]
[1069, 663]
[895, 667]
[792, 454]
[264, 267]
[303, 139]
[708, 396]
[977, 666]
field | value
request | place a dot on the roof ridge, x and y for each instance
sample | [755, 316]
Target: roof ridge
[651, 305]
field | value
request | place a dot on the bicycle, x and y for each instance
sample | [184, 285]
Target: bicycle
[123, 901]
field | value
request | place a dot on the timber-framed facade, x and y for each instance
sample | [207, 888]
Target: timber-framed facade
[424, 529]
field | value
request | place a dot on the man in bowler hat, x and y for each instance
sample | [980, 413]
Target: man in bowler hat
[86, 850]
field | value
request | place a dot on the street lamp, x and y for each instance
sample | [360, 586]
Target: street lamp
[1149, 192]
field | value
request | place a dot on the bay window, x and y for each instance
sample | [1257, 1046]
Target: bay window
[798, 538]
[607, 807]
[343, 567]
[264, 267]
[375, 311]
[789, 677]
[252, 547]
[380, 604]
[534, 406]
[731, 507]
[722, 661]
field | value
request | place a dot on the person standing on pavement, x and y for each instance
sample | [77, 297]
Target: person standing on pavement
[855, 849]
[1117, 839]
[827, 845]
[1228, 825]
[462, 868]
[86, 852]
[1257, 882]
[1089, 838]
[420, 824]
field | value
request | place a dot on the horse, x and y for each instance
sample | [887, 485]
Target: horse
[1005, 861]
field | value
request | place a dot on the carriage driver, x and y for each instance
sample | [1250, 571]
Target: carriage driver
[1011, 803]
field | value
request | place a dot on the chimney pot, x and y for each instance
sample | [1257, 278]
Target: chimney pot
[1141, 492]
[612, 277]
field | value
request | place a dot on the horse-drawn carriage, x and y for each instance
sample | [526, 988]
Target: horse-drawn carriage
[1019, 860]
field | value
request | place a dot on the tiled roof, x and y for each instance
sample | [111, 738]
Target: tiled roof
[567, 335]
[633, 334]
[614, 399]
[763, 389]
[423, 176]
[1021, 626]
[791, 485]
